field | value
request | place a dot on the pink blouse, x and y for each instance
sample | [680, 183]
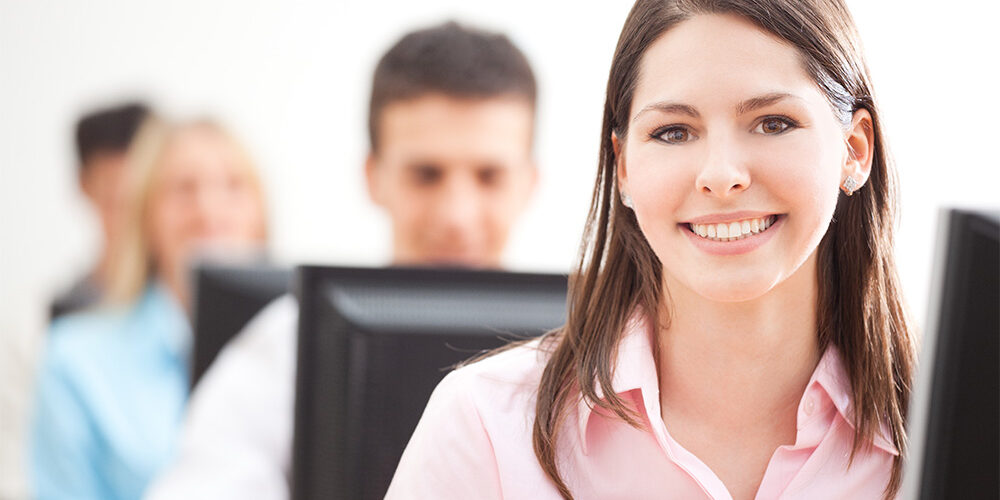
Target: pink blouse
[474, 440]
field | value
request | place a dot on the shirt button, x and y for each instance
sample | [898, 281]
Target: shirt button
[810, 406]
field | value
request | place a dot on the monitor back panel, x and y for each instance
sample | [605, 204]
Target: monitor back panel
[958, 446]
[226, 298]
[374, 343]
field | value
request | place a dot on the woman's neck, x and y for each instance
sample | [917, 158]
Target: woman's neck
[732, 375]
[177, 285]
[736, 365]
[101, 273]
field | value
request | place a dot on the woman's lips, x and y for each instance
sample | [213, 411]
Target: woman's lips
[734, 230]
[717, 239]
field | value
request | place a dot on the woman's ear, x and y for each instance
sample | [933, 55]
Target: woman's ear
[860, 141]
[620, 173]
[616, 146]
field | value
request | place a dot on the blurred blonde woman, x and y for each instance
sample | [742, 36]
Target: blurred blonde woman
[113, 382]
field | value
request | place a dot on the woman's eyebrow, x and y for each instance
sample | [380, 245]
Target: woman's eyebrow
[760, 101]
[743, 107]
[668, 107]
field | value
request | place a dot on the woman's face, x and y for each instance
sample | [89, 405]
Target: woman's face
[203, 199]
[728, 135]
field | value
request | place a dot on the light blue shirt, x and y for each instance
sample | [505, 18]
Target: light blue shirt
[111, 395]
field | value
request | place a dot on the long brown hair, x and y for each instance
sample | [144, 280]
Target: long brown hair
[860, 309]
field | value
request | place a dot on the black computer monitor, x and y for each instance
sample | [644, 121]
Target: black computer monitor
[226, 298]
[373, 344]
[955, 411]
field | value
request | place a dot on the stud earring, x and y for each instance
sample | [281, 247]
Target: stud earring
[850, 185]
[627, 200]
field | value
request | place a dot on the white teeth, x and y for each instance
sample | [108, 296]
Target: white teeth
[731, 231]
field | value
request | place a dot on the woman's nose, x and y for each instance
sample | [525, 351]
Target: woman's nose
[724, 171]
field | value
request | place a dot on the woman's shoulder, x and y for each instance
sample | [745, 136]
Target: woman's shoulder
[80, 351]
[110, 328]
[515, 365]
[81, 334]
[98, 341]
[475, 428]
[500, 384]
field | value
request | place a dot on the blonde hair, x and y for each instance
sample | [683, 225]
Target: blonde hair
[133, 264]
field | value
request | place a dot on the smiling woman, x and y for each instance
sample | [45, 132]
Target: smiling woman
[747, 134]
[735, 328]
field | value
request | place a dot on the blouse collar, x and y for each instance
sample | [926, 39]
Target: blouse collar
[635, 368]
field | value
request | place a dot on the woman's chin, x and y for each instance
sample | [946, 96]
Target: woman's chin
[733, 289]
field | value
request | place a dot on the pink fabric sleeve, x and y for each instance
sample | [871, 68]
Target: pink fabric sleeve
[450, 455]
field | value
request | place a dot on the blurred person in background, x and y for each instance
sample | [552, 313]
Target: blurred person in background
[113, 381]
[102, 140]
[451, 126]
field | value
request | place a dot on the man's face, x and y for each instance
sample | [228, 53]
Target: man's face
[453, 175]
[103, 182]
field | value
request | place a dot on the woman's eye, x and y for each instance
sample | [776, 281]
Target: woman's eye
[772, 126]
[674, 135]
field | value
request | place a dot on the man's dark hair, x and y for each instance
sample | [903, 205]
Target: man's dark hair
[453, 60]
[108, 130]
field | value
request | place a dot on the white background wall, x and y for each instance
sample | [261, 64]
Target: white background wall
[292, 78]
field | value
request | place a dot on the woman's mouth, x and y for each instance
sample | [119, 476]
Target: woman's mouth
[733, 231]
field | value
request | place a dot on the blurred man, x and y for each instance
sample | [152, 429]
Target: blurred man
[102, 141]
[451, 122]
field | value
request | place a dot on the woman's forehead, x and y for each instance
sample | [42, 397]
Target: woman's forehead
[719, 60]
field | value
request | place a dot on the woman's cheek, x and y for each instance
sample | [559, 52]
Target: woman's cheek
[657, 179]
[802, 171]
[171, 228]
